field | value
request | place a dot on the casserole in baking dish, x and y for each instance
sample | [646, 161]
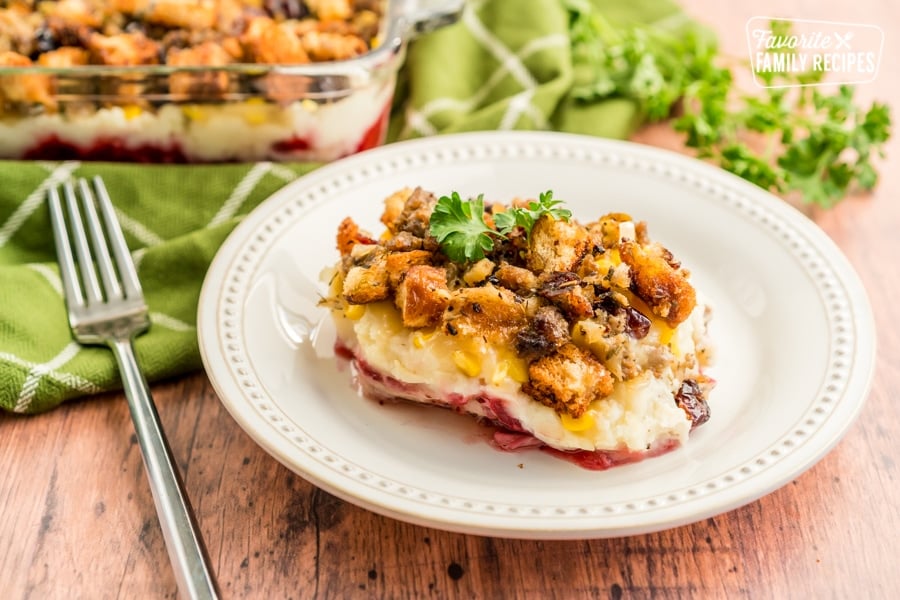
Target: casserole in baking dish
[202, 80]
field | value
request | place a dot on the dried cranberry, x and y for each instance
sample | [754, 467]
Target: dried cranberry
[44, 41]
[547, 332]
[605, 302]
[636, 324]
[690, 399]
[285, 9]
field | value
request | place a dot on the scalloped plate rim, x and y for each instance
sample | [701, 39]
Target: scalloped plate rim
[572, 523]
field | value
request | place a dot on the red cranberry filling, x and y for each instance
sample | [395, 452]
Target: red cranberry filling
[113, 149]
[509, 435]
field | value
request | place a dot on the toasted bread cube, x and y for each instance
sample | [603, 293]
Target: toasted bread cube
[67, 56]
[487, 312]
[365, 284]
[568, 380]
[422, 296]
[70, 13]
[123, 49]
[204, 83]
[556, 245]
[328, 10]
[349, 235]
[664, 287]
[326, 45]
[130, 7]
[266, 42]
[399, 263]
[189, 14]
[393, 207]
[24, 88]
[516, 278]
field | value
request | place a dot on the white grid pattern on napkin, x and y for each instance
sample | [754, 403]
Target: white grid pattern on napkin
[511, 63]
[54, 367]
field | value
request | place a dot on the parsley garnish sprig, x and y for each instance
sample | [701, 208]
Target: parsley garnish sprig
[783, 139]
[459, 226]
[526, 217]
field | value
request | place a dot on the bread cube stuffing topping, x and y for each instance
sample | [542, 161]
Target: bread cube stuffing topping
[581, 306]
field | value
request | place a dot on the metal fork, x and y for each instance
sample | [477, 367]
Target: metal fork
[110, 310]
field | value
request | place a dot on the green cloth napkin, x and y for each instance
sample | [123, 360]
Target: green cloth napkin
[505, 65]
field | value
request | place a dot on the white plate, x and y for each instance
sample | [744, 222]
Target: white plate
[793, 327]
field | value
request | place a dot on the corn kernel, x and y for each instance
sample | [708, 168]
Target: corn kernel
[310, 106]
[665, 333]
[195, 112]
[420, 338]
[354, 312]
[606, 262]
[577, 424]
[673, 345]
[255, 111]
[614, 257]
[131, 111]
[518, 371]
[501, 372]
[467, 363]
[603, 266]
[254, 118]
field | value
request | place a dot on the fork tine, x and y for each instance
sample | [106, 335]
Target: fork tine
[124, 262]
[82, 251]
[71, 286]
[98, 244]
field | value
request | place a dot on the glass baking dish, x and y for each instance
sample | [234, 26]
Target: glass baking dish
[316, 111]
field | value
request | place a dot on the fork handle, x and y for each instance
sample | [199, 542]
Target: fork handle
[187, 553]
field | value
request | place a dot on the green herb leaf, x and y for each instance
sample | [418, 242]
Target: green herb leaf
[459, 227]
[509, 219]
[786, 138]
[526, 217]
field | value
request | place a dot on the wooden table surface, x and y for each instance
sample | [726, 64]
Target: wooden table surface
[77, 519]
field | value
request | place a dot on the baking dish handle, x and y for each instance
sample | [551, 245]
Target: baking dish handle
[424, 16]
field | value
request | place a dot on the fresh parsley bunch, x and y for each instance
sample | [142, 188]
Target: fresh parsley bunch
[784, 139]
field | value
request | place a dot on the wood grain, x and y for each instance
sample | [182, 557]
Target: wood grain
[77, 520]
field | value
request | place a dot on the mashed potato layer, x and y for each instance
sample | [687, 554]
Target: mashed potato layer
[638, 414]
[585, 339]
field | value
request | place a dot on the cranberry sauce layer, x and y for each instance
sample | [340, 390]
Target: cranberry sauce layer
[509, 434]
